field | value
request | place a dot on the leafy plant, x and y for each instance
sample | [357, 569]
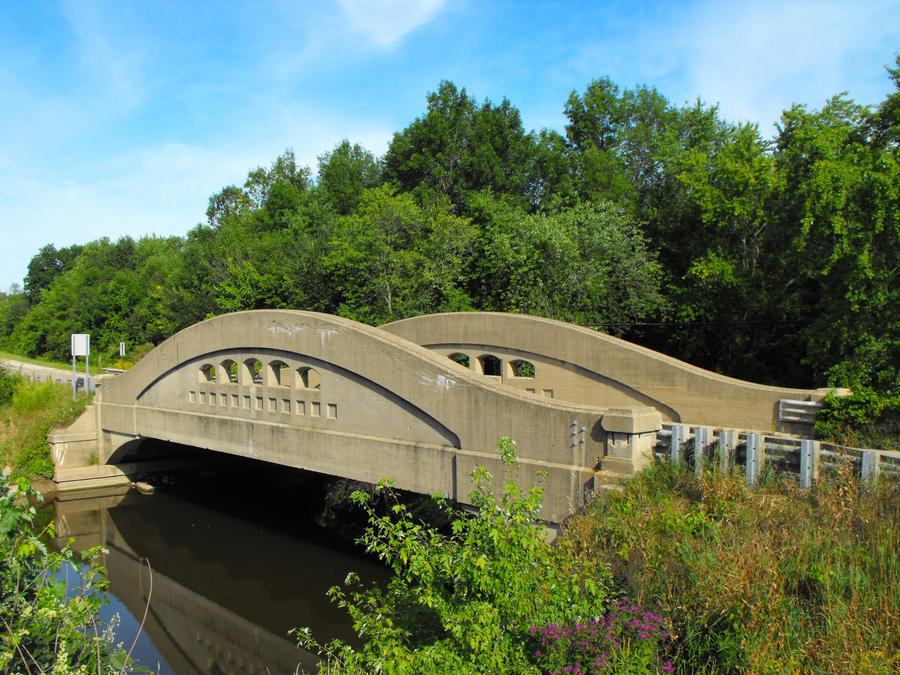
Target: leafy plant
[48, 625]
[463, 601]
[865, 417]
[8, 382]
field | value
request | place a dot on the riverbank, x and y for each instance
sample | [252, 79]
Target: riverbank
[28, 411]
[715, 576]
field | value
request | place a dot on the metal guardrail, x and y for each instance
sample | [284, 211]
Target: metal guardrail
[753, 451]
[802, 412]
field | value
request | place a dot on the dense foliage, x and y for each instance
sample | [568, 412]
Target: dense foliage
[48, 605]
[774, 259]
[469, 600]
[865, 418]
[674, 573]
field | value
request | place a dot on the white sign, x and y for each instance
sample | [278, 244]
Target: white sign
[81, 344]
[121, 349]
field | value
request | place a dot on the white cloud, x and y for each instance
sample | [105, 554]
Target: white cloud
[162, 190]
[385, 22]
[759, 58]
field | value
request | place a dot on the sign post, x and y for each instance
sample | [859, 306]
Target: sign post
[81, 346]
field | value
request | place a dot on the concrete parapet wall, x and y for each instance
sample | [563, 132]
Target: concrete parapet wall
[327, 394]
[588, 367]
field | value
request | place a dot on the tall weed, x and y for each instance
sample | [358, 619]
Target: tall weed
[771, 580]
[34, 409]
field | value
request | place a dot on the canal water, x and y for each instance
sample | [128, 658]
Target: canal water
[223, 566]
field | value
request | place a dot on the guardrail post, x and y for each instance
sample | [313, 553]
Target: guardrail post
[675, 443]
[754, 458]
[870, 468]
[809, 455]
[725, 449]
[701, 441]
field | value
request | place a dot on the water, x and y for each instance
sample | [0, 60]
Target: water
[229, 566]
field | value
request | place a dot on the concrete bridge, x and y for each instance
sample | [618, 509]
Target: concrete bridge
[326, 394]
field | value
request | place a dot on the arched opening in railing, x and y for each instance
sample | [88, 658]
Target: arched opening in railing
[308, 378]
[207, 373]
[279, 374]
[228, 371]
[252, 373]
[520, 368]
[490, 365]
[461, 359]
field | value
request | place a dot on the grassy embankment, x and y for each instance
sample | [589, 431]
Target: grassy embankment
[28, 411]
[773, 580]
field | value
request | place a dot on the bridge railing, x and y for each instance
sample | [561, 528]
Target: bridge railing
[754, 452]
[37, 376]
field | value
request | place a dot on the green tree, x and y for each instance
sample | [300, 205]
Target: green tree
[345, 172]
[45, 267]
[585, 264]
[392, 258]
[841, 191]
[13, 307]
[459, 147]
[738, 274]
[885, 121]
[616, 139]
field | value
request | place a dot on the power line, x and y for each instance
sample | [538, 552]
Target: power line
[696, 324]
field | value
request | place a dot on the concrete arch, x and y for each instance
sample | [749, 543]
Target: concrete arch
[386, 407]
[585, 366]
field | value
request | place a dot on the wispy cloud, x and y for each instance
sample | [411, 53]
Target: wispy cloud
[758, 58]
[109, 54]
[385, 22]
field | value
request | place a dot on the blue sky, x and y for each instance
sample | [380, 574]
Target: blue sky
[123, 117]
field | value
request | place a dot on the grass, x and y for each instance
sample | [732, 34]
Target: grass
[770, 580]
[27, 416]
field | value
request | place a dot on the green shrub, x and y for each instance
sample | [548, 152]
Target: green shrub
[8, 384]
[866, 417]
[465, 601]
[47, 625]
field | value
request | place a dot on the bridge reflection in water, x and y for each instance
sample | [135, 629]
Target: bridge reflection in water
[226, 589]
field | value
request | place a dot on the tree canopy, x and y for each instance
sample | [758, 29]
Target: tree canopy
[773, 259]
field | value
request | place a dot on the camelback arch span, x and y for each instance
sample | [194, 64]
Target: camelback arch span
[585, 366]
[327, 394]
